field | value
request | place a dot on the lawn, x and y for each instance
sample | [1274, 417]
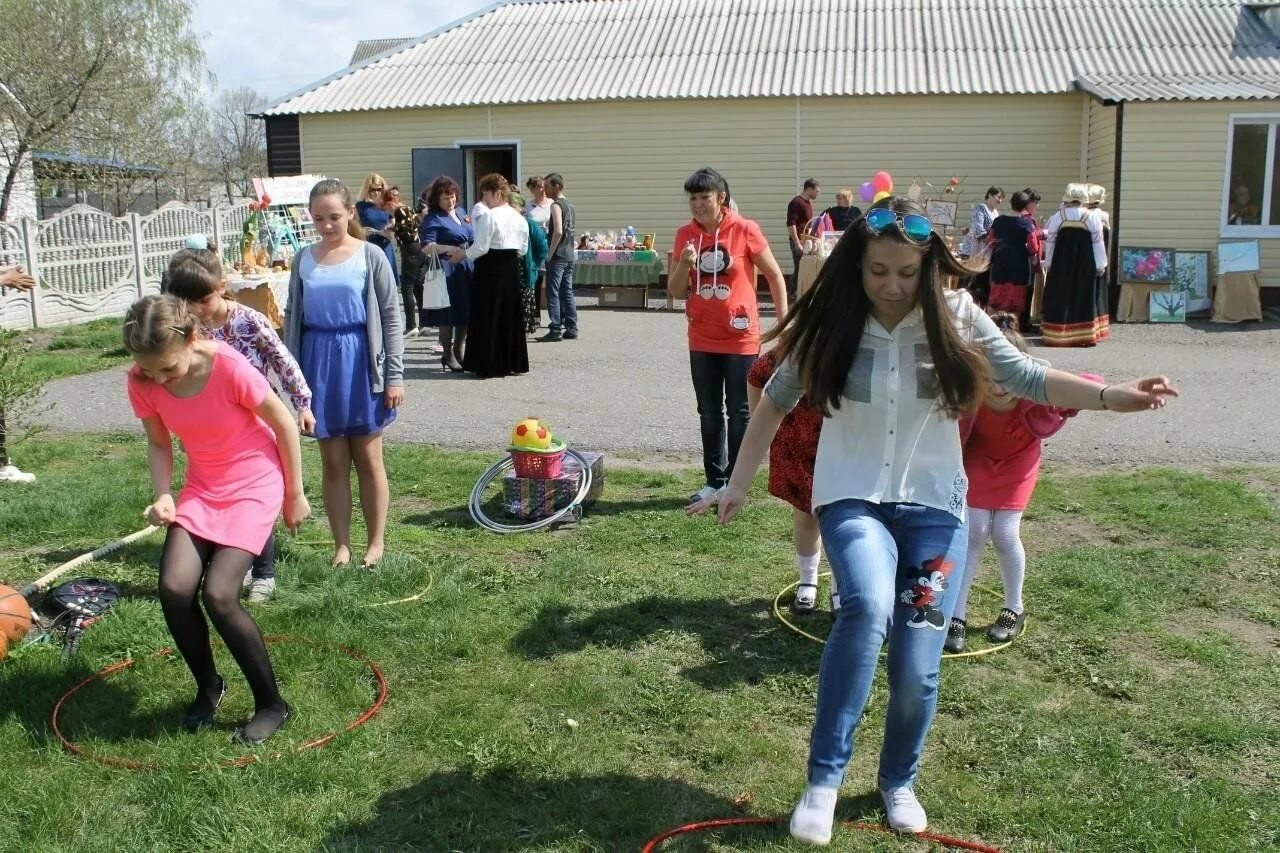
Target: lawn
[72, 350]
[1138, 713]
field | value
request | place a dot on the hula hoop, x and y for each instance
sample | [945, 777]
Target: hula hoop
[777, 612]
[703, 825]
[431, 578]
[42, 583]
[244, 760]
[501, 467]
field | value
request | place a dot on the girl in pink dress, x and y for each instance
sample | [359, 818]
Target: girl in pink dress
[244, 465]
[1001, 444]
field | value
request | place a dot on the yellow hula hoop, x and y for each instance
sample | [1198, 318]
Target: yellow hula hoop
[431, 578]
[777, 612]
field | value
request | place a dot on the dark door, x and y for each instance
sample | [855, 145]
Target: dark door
[431, 163]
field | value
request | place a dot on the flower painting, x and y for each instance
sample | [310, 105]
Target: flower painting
[1150, 266]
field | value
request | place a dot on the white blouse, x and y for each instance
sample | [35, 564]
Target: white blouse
[890, 442]
[499, 228]
[1075, 217]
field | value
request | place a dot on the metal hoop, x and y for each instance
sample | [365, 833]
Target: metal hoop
[501, 467]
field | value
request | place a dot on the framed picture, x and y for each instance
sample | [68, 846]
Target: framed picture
[941, 212]
[1238, 257]
[301, 215]
[1191, 278]
[1168, 306]
[1149, 266]
[828, 242]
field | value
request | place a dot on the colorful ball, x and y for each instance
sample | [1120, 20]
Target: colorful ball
[4, 647]
[531, 434]
[15, 614]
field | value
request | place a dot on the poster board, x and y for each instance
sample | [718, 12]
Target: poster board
[1191, 278]
[289, 189]
[1238, 257]
[941, 212]
[1146, 265]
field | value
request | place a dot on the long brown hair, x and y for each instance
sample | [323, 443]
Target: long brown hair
[155, 323]
[332, 186]
[824, 327]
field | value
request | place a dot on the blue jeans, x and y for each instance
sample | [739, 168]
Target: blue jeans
[898, 567]
[560, 302]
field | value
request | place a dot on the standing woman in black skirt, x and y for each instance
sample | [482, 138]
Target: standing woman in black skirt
[496, 344]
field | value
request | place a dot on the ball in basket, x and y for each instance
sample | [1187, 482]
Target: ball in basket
[531, 434]
[15, 614]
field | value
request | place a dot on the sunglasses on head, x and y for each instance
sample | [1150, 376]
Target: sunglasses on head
[916, 228]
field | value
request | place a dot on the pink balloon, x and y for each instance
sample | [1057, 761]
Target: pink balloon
[883, 182]
[867, 191]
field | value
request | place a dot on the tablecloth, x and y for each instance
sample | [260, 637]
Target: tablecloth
[1237, 298]
[635, 273]
[266, 294]
[1135, 301]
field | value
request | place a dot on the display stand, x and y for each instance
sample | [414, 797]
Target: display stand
[1135, 301]
[1237, 298]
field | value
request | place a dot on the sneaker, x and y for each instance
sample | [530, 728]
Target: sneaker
[550, 338]
[11, 474]
[247, 582]
[1007, 626]
[903, 811]
[814, 815]
[706, 493]
[806, 600]
[570, 336]
[955, 637]
[262, 589]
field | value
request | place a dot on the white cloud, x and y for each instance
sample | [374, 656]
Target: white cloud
[276, 47]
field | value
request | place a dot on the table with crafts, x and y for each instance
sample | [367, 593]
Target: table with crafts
[622, 276]
[266, 293]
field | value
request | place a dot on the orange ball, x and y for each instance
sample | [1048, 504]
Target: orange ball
[15, 614]
[4, 647]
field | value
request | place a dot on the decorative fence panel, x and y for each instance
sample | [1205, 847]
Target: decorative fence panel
[88, 264]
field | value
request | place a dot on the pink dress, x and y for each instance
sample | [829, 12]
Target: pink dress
[235, 483]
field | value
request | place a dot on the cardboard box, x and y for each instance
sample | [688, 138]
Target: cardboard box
[624, 297]
[531, 499]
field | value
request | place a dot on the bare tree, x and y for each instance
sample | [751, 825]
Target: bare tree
[239, 142]
[77, 75]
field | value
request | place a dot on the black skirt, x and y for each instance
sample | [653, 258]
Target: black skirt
[1075, 312]
[496, 344]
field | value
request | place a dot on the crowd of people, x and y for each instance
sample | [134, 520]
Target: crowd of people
[902, 421]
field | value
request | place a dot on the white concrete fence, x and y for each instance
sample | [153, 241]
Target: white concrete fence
[89, 264]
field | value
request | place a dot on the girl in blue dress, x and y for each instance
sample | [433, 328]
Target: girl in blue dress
[344, 325]
[446, 237]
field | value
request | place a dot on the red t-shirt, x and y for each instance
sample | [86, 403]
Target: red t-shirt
[724, 316]
[799, 212]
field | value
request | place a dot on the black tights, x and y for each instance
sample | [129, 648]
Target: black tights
[187, 561]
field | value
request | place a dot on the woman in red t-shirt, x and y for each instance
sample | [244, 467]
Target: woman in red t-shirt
[715, 271]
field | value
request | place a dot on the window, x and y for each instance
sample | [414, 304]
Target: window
[1251, 196]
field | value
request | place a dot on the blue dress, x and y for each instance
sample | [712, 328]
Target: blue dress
[372, 216]
[440, 227]
[335, 349]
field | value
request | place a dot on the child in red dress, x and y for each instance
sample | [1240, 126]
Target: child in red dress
[1002, 461]
[791, 458]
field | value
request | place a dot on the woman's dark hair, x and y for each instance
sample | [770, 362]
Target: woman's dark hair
[1007, 322]
[822, 331]
[536, 182]
[1032, 195]
[707, 180]
[495, 183]
[193, 274]
[993, 191]
[443, 185]
[335, 187]
[1020, 201]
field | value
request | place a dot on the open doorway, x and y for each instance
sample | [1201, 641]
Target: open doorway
[467, 163]
[485, 159]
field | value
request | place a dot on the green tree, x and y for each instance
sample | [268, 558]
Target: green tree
[90, 76]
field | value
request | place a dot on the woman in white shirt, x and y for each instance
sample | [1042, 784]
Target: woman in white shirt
[892, 358]
[496, 344]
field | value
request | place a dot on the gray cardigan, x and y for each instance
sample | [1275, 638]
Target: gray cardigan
[385, 320]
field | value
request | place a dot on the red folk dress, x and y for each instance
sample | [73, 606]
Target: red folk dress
[795, 447]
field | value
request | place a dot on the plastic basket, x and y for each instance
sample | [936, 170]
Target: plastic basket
[538, 464]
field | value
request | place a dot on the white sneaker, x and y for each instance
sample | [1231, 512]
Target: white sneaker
[903, 811]
[814, 815]
[262, 589]
[11, 474]
[706, 493]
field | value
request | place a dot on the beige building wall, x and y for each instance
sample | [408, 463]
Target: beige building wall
[1100, 158]
[625, 163]
[1174, 164]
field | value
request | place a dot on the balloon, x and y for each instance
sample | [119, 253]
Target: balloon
[881, 196]
[883, 182]
[867, 191]
[266, 200]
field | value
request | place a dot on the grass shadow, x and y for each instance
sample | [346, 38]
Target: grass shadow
[28, 694]
[744, 641]
[503, 811]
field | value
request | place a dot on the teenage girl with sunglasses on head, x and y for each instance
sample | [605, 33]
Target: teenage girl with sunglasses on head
[893, 359]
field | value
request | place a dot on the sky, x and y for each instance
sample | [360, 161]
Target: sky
[278, 46]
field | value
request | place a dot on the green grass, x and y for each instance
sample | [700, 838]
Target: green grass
[1137, 714]
[72, 350]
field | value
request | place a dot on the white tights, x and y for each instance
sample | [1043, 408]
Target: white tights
[1002, 526]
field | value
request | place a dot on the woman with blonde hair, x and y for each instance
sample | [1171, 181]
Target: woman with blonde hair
[1075, 260]
[376, 219]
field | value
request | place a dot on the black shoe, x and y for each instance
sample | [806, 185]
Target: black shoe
[200, 712]
[1007, 626]
[955, 637]
[256, 731]
[570, 336]
[550, 338]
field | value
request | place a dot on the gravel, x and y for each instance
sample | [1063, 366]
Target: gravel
[623, 388]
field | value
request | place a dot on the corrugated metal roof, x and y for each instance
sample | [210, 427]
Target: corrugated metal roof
[1207, 87]
[370, 48]
[601, 50]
